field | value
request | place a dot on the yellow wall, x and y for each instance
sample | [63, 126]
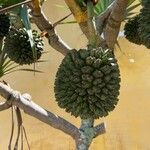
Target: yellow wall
[127, 126]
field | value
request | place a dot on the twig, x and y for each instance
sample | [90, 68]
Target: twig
[4, 105]
[100, 129]
[91, 27]
[44, 33]
[43, 24]
[58, 22]
[43, 115]
[81, 18]
[114, 22]
[4, 10]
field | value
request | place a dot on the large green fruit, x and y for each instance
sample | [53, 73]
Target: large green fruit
[131, 30]
[4, 25]
[144, 23]
[18, 48]
[87, 82]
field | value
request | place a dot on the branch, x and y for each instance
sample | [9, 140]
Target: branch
[110, 20]
[101, 20]
[44, 25]
[81, 18]
[114, 21]
[32, 109]
[100, 129]
[4, 105]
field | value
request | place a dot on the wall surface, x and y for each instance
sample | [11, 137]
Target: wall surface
[127, 126]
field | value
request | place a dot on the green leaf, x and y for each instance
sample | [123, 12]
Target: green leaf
[131, 8]
[68, 22]
[10, 69]
[130, 11]
[25, 18]
[6, 3]
[102, 6]
[130, 2]
[9, 65]
[31, 70]
[6, 63]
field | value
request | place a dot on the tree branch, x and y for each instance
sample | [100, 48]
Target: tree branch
[108, 22]
[4, 105]
[81, 18]
[114, 21]
[100, 129]
[44, 25]
[32, 109]
[102, 19]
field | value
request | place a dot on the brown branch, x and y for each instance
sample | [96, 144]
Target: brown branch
[81, 18]
[38, 112]
[114, 21]
[108, 22]
[79, 14]
[44, 25]
[82, 136]
[100, 129]
[101, 20]
[4, 105]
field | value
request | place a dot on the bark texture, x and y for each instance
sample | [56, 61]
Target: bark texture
[39, 18]
[108, 22]
[24, 102]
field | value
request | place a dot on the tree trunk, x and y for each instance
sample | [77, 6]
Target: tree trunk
[87, 134]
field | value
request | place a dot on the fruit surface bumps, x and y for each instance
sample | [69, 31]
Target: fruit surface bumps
[131, 30]
[144, 23]
[18, 46]
[87, 83]
[4, 25]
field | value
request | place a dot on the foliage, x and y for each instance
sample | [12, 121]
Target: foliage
[18, 46]
[18, 18]
[5, 3]
[137, 29]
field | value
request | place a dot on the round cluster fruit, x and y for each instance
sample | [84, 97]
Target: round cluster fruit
[144, 22]
[87, 82]
[131, 30]
[18, 46]
[137, 29]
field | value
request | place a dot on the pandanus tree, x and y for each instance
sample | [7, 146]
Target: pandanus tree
[88, 80]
